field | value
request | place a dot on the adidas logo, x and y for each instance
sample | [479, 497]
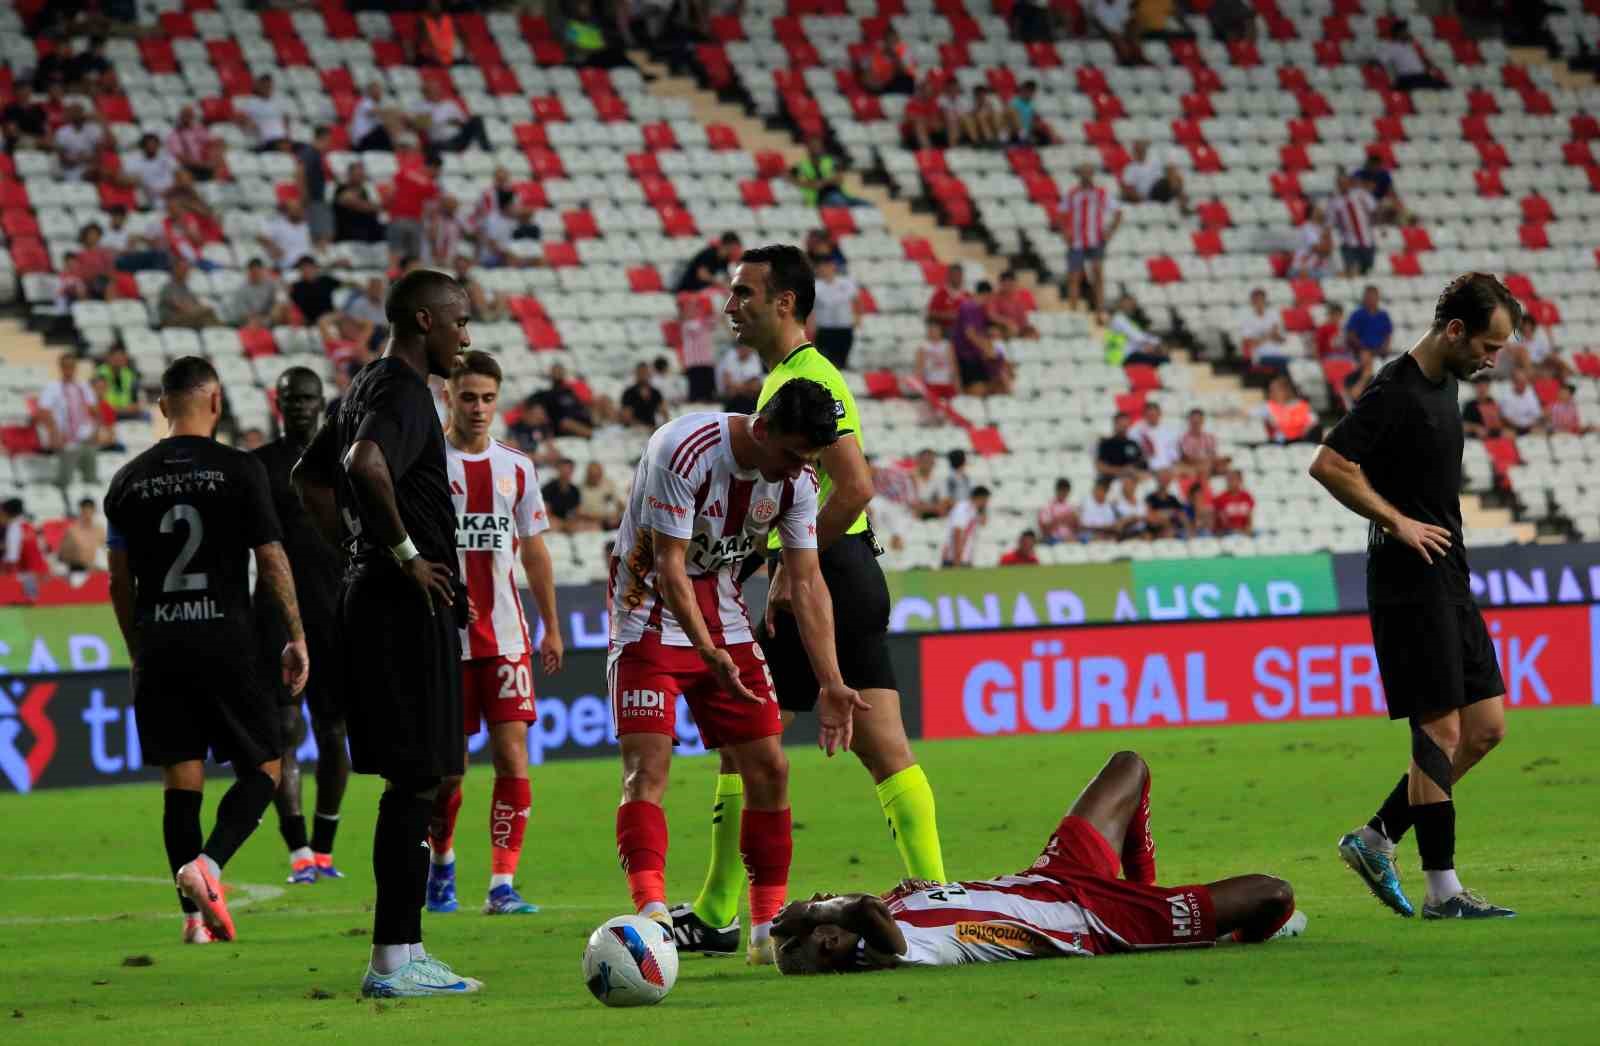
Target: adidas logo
[526, 705]
[715, 511]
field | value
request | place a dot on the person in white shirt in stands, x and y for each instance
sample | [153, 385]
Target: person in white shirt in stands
[936, 363]
[739, 378]
[1353, 213]
[835, 313]
[1313, 246]
[287, 235]
[1402, 58]
[373, 125]
[1260, 334]
[1129, 342]
[1129, 506]
[67, 420]
[1113, 19]
[445, 123]
[264, 116]
[1520, 406]
[1097, 516]
[77, 144]
[1158, 439]
[1058, 519]
[1539, 353]
[965, 522]
[1146, 178]
[151, 171]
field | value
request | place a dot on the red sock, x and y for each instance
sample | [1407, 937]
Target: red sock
[442, 825]
[766, 841]
[1138, 845]
[508, 820]
[642, 846]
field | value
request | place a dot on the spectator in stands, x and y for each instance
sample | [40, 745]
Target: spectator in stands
[357, 215]
[408, 196]
[1520, 406]
[193, 145]
[440, 121]
[1373, 175]
[1129, 507]
[1534, 350]
[1369, 327]
[66, 421]
[374, 127]
[151, 171]
[1002, 373]
[710, 266]
[501, 217]
[1165, 514]
[699, 323]
[946, 300]
[1562, 415]
[1119, 454]
[1313, 246]
[286, 237]
[1032, 129]
[1352, 210]
[312, 293]
[178, 305]
[967, 518]
[122, 382]
[1092, 216]
[887, 67]
[444, 232]
[95, 267]
[263, 116]
[198, 216]
[936, 363]
[83, 539]
[1234, 507]
[1113, 19]
[1011, 306]
[1481, 416]
[1146, 178]
[23, 553]
[1329, 334]
[561, 499]
[835, 313]
[642, 403]
[24, 122]
[1197, 449]
[255, 302]
[483, 304]
[599, 503]
[252, 439]
[134, 250]
[77, 144]
[1158, 440]
[821, 244]
[976, 361]
[1356, 382]
[182, 237]
[435, 41]
[1058, 519]
[530, 429]
[1260, 333]
[820, 178]
[1404, 60]
[1286, 414]
[1127, 342]
[1097, 518]
[568, 414]
[990, 121]
[957, 482]
[311, 182]
[926, 500]
[1031, 22]
[1232, 20]
[1024, 555]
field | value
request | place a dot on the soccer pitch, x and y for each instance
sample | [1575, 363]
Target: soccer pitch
[91, 948]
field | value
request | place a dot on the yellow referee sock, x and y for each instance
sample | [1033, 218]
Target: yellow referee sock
[718, 903]
[907, 801]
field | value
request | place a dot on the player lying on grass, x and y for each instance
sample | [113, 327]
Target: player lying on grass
[1069, 903]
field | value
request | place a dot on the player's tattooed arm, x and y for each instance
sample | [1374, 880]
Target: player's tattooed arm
[122, 599]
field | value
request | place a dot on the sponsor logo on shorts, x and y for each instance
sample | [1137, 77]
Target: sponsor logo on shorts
[643, 703]
[661, 506]
[1185, 914]
[763, 510]
[1004, 935]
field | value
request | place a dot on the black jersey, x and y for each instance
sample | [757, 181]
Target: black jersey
[188, 512]
[316, 564]
[1405, 432]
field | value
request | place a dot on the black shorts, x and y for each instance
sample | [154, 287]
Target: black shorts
[1434, 657]
[401, 679]
[1360, 259]
[971, 371]
[188, 706]
[1161, 191]
[860, 629]
[321, 694]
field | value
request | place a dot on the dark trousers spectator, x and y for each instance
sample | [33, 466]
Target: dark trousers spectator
[376, 140]
[702, 384]
[835, 343]
[1420, 82]
[739, 404]
[144, 261]
[471, 133]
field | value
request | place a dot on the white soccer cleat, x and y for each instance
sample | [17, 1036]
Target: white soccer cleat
[195, 932]
[1295, 927]
[417, 979]
[762, 953]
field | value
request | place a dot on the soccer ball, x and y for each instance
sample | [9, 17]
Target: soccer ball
[630, 961]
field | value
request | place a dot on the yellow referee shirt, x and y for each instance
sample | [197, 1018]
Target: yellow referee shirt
[807, 362]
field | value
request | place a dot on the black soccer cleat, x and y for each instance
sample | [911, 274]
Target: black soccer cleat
[1465, 905]
[691, 934]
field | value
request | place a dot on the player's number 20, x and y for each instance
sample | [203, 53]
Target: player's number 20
[177, 580]
[515, 681]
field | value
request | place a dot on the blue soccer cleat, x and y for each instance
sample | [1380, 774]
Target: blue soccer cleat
[504, 900]
[442, 888]
[1465, 905]
[303, 872]
[416, 979]
[326, 869]
[1375, 866]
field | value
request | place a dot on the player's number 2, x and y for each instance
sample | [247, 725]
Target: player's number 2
[515, 681]
[177, 580]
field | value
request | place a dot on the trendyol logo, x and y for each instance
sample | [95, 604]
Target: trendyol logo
[22, 706]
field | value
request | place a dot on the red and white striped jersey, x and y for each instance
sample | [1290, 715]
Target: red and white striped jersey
[1024, 916]
[964, 520]
[498, 505]
[689, 486]
[1352, 213]
[1087, 213]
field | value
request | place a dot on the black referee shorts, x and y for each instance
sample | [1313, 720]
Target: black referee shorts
[860, 629]
[401, 679]
[187, 706]
[1433, 657]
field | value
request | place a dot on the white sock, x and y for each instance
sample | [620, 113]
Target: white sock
[1442, 885]
[448, 857]
[1374, 838]
[213, 866]
[417, 951]
[653, 908]
[387, 958]
[302, 854]
[499, 880]
[759, 933]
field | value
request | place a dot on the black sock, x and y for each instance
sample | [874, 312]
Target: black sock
[397, 846]
[1436, 835]
[323, 828]
[180, 831]
[1393, 818]
[239, 814]
[293, 828]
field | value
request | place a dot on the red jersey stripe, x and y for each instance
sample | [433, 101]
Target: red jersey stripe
[516, 545]
[688, 442]
[739, 491]
[687, 465]
[480, 565]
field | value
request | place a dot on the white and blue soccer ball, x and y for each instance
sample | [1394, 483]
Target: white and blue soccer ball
[630, 961]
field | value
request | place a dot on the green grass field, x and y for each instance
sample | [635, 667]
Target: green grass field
[83, 894]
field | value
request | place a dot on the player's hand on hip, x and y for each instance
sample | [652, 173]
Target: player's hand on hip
[296, 666]
[551, 652]
[836, 711]
[721, 662]
[433, 579]
[1426, 538]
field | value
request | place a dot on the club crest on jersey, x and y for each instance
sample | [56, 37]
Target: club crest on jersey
[506, 485]
[763, 511]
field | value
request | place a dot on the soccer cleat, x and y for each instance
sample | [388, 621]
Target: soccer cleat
[504, 900]
[196, 882]
[1376, 868]
[418, 978]
[1465, 905]
[303, 872]
[442, 888]
[691, 934]
[764, 953]
[325, 868]
[194, 930]
[1295, 927]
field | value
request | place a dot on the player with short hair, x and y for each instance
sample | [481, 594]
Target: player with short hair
[500, 518]
[316, 564]
[1068, 903]
[376, 474]
[708, 489]
[182, 520]
[773, 291]
[1396, 459]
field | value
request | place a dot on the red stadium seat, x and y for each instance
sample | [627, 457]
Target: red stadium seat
[546, 163]
[1204, 159]
[645, 279]
[18, 223]
[1313, 103]
[1043, 55]
[1493, 154]
[675, 221]
[1214, 214]
[1536, 208]
[1307, 292]
[931, 161]
[1405, 265]
[1334, 371]
[1584, 127]
[1003, 81]
[1197, 106]
[882, 384]
[1099, 132]
[771, 164]
[1293, 79]
[1294, 158]
[1163, 269]
[1297, 319]
[580, 225]
[548, 109]
[1390, 128]
[1303, 131]
[14, 196]
[1204, 78]
[1577, 154]
[1024, 160]
[1108, 107]
[934, 272]
[1142, 377]
[1588, 364]
[1488, 182]
[541, 334]
[560, 254]
[1398, 103]
[532, 194]
[157, 55]
[658, 190]
[640, 164]
[29, 255]
[1328, 53]
[608, 108]
[917, 249]
[1207, 242]
[722, 137]
[1546, 313]
[1533, 237]
[1091, 81]
[530, 136]
[838, 221]
[1536, 103]
[257, 341]
[1113, 157]
[1188, 132]
[1416, 238]
[1243, 53]
[757, 192]
[865, 108]
[1041, 188]
[1482, 102]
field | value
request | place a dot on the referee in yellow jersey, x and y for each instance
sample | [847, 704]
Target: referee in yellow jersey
[772, 293]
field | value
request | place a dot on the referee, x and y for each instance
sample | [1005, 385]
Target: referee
[378, 467]
[1396, 459]
[773, 291]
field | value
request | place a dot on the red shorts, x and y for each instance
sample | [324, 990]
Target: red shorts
[1136, 916]
[497, 690]
[646, 677]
